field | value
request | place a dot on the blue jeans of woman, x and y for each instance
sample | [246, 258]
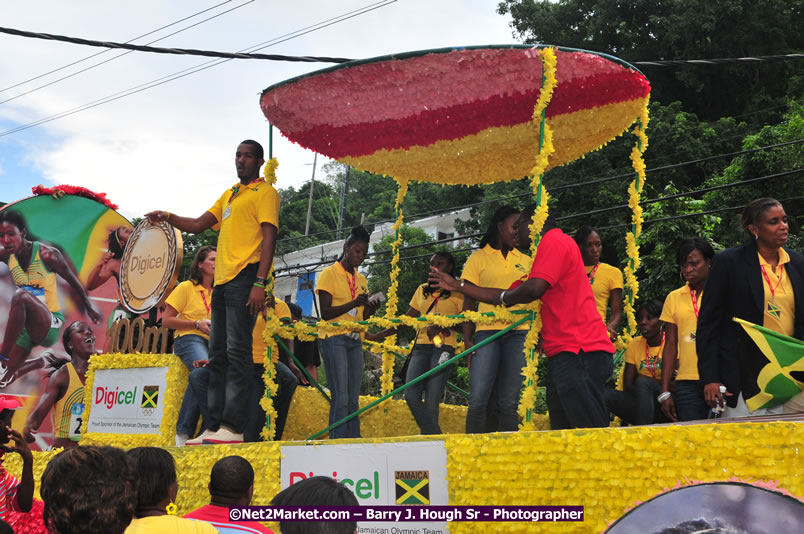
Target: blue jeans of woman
[343, 363]
[422, 359]
[190, 348]
[230, 358]
[690, 402]
[497, 364]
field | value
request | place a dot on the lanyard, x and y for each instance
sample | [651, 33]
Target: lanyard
[434, 305]
[694, 300]
[656, 359]
[592, 273]
[767, 279]
[204, 298]
[352, 282]
[236, 189]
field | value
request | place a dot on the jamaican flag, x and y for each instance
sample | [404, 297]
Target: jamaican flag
[782, 378]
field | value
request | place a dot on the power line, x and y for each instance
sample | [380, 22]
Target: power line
[174, 51]
[192, 70]
[569, 186]
[685, 194]
[212, 53]
[76, 73]
[577, 215]
[109, 50]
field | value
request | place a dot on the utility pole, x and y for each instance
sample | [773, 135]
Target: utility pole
[343, 202]
[310, 200]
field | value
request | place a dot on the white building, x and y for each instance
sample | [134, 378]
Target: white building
[296, 272]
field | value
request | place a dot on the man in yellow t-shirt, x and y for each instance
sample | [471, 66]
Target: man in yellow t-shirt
[247, 215]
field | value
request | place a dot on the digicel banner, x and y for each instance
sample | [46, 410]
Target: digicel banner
[402, 474]
[128, 401]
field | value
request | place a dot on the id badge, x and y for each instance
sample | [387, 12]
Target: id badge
[227, 212]
[76, 420]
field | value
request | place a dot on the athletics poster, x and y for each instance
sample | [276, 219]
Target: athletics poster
[59, 263]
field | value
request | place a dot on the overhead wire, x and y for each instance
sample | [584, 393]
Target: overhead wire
[76, 62]
[76, 73]
[198, 68]
[569, 186]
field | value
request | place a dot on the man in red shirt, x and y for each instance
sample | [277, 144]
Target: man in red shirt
[231, 483]
[579, 352]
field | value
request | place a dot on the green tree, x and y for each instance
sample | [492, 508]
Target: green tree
[645, 30]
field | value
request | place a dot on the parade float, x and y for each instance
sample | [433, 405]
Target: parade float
[467, 116]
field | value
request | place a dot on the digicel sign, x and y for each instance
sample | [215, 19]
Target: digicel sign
[109, 397]
[364, 488]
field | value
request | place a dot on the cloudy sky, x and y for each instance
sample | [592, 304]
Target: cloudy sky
[172, 146]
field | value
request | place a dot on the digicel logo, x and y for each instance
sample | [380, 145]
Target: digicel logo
[110, 397]
[362, 487]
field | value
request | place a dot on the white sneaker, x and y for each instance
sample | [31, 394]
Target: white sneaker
[3, 372]
[223, 436]
[181, 439]
[200, 439]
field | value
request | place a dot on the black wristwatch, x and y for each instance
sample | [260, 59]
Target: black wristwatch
[262, 281]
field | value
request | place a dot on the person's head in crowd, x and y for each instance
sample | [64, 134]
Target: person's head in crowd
[445, 263]
[502, 230]
[355, 248]
[158, 486]
[6, 415]
[648, 318]
[5, 528]
[589, 242]
[523, 225]
[316, 491]
[118, 239]
[694, 257]
[89, 490]
[764, 222]
[295, 311]
[203, 264]
[231, 482]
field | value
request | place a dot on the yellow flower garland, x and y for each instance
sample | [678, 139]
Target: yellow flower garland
[270, 170]
[531, 370]
[632, 238]
[171, 398]
[272, 325]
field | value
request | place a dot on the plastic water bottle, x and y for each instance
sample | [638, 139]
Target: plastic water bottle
[717, 410]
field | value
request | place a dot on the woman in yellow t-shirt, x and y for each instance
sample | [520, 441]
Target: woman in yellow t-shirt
[187, 312]
[642, 377]
[606, 280]
[680, 315]
[496, 368]
[343, 296]
[156, 496]
[433, 346]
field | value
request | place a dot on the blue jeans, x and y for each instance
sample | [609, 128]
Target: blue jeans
[230, 358]
[343, 363]
[576, 386]
[690, 403]
[256, 416]
[496, 367]
[190, 348]
[199, 383]
[422, 359]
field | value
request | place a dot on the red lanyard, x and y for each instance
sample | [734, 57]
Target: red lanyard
[236, 189]
[694, 300]
[656, 359]
[204, 298]
[592, 273]
[767, 279]
[434, 305]
[352, 283]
